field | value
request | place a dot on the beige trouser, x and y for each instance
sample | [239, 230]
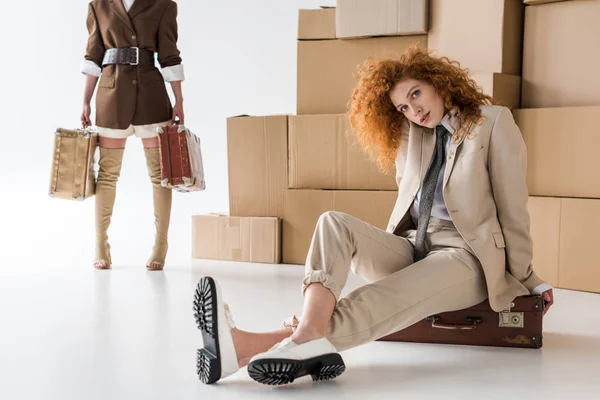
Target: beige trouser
[399, 292]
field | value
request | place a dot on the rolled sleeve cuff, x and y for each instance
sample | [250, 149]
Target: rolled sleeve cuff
[539, 289]
[532, 282]
[91, 68]
[322, 277]
[173, 73]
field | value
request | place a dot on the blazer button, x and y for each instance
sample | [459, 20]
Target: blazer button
[134, 37]
[135, 82]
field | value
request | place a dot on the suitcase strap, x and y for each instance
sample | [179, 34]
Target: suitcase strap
[77, 177]
[57, 143]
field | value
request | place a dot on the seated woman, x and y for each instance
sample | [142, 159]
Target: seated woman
[458, 234]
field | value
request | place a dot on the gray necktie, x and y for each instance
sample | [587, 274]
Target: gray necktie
[428, 192]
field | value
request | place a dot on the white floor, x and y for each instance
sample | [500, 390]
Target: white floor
[76, 333]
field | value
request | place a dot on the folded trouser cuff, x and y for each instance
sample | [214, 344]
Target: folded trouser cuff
[323, 278]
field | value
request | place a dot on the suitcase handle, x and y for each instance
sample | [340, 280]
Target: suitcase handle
[471, 323]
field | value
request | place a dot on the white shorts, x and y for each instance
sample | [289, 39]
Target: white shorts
[140, 131]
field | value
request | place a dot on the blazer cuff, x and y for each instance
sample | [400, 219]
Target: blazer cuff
[539, 289]
[533, 282]
[173, 73]
[91, 68]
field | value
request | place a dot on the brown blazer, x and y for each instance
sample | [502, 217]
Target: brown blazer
[486, 195]
[129, 94]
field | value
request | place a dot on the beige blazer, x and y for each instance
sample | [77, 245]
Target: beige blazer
[486, 196]
[132, 94]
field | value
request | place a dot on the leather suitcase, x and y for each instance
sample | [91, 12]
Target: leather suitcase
[72, 175]
[521, 326]
[181, 159]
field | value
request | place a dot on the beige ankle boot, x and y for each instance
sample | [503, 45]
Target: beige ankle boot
[162, 210]
[108, 174]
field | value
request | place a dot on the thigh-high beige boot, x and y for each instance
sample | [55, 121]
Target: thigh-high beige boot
[162, 210]
[110, 168]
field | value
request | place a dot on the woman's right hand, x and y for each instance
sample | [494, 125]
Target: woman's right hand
[85, 116]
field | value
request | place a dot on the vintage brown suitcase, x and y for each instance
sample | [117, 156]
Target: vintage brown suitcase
[181, 159]
[72, 174]
[481, 326]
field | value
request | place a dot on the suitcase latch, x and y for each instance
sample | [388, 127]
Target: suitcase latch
[511, 319]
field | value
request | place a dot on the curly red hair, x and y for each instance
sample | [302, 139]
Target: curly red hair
[377, 124]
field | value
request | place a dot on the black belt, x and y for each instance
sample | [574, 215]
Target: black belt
[128, 55]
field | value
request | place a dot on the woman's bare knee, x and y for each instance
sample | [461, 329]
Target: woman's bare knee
[110, 143]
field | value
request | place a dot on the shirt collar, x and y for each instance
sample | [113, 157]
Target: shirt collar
[128, 4]
[449, 120]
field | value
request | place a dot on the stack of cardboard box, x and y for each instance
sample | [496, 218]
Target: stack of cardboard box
[257, 164]
[561, 102]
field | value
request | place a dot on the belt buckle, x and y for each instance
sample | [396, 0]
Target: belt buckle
[137, 56]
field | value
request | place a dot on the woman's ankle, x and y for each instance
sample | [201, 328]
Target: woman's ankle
[239, 344]
[306, 334]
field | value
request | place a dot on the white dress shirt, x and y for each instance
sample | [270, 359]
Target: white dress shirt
[170, 74]
[439, 209]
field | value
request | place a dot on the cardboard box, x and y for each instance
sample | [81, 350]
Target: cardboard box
[326, 68]
[484, 36]
[545, 215]
[316, 24]
[323, 155]
[364, 18]
[249, 239]
[565, 241]
[579, 262]
[562, 148]
[502, 87]
[561, 55]
[257, 160]
[304, 207]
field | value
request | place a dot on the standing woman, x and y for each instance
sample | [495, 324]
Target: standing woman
[124, 36]
[458, 233]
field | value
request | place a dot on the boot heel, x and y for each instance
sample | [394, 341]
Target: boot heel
[274, 372]
[207, 366]
[331, 366]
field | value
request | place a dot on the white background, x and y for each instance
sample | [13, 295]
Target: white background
[239, 58]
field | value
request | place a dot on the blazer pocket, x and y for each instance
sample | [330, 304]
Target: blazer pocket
[106, 82]
[499, 240]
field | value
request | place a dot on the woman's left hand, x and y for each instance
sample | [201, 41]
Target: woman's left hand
[178, 112]
[548, 297]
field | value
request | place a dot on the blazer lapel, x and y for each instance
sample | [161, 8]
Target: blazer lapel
[427, 147]
[451, 157]
[119, 9]
[410, 181]
[138, 7]
[412, 176]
